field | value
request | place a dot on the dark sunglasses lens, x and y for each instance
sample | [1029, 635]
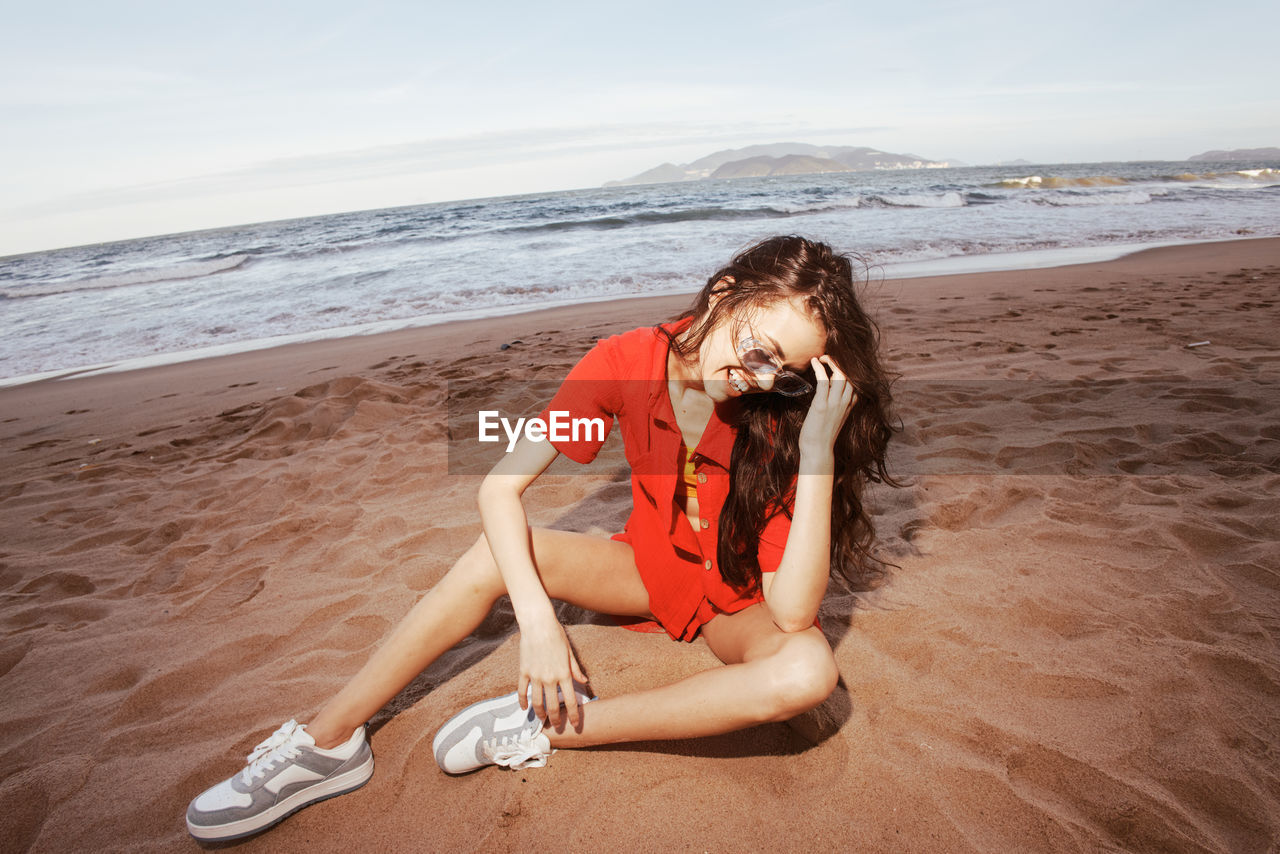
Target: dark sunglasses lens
[758, 360]
[790, 385]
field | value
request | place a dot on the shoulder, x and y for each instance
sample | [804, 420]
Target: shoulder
[646, 339]
[636, 351]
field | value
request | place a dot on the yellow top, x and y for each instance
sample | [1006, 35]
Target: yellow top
[689, 477]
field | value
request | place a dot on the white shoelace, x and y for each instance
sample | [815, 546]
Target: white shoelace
[516, 752]
[279, 747]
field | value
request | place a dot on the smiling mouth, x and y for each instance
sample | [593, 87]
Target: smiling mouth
[736, 380]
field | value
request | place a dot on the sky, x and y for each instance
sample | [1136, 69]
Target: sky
[124, 119]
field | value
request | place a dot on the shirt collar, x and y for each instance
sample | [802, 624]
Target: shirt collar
[717, 440]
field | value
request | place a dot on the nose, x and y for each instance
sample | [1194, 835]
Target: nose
[764, 381]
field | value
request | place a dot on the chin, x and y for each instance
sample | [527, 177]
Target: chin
[718, 391]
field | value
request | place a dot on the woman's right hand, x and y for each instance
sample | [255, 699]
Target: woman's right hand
[833, 400]
[547, 662]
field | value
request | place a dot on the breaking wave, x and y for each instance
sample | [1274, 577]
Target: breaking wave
[176, 273]
[708, 214]
[1057, 182]
[918, 200]
[1053, 182]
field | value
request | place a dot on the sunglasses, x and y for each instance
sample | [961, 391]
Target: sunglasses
[759, 359]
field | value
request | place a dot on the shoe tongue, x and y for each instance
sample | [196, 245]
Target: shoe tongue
[523, 753]
[301, 736]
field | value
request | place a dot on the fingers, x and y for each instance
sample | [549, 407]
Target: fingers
[832, 402]
[841, 382]
[555, 701]
[548, 668]
[819, 372]
[836, 373]
[550, 711]
[571, 694]
[570, 703]
[538, 701]
[835, 383]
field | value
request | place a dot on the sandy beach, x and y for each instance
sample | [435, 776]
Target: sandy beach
[1076, 650]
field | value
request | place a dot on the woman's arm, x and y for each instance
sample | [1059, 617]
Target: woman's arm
[546, 659]
[794, 592]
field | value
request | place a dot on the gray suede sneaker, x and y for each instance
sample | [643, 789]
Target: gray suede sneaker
[492, 732]
[285, 773]
[495, 732]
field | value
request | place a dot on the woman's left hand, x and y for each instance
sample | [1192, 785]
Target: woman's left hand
[833, 400]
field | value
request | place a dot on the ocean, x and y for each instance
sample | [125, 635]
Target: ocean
[127, 304]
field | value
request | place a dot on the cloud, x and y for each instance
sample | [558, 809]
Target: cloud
[92, 86]
[444, 154]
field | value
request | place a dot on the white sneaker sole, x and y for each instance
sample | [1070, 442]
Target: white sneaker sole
[348, 781]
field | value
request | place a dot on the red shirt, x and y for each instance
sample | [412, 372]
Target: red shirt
[625, 377]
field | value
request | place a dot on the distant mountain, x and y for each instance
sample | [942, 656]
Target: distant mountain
[664, 174]
[1240, 154]
[1018, 162]
[788, 164]
[782, 158]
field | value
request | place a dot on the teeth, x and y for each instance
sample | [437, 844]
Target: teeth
[736, 381]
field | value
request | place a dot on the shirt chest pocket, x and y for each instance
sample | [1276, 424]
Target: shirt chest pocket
[655, 474]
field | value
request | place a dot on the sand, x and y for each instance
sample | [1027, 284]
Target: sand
[1077, 649]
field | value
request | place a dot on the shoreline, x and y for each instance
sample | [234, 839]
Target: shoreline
[909, 271]
[282, 370]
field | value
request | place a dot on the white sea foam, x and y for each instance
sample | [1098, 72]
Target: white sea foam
[1029, 181]
[1031, 259]
[1131, 197]
[922, 200]
[147, 276]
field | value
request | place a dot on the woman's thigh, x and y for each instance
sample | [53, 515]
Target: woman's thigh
[751, 634]
[589, 571]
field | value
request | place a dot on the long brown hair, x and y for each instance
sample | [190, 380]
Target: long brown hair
[766, 451]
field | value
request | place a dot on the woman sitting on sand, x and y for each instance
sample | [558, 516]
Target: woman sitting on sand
[773, 373]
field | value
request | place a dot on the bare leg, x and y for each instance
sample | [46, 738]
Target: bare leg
[590, 571]
[770, 675]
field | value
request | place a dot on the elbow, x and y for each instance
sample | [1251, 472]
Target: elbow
[793, 608]
[794, 621]
[495, 489]
[793, 625]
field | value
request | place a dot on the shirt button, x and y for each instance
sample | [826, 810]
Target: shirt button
[706, 524]
[708, 565]
[702, 478]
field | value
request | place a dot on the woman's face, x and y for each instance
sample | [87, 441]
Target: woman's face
[785, 328]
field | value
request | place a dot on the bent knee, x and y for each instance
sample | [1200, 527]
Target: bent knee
[803, 674]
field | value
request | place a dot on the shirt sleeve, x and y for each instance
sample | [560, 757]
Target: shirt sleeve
[580, 415]
[773, 542]
[773, 539]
